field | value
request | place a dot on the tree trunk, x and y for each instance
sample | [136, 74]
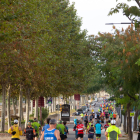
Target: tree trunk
[20, 105]
[41, 115]
[27, 106]
[129, 122]
[31, 106]
[124, 126]
[14, 107]
[135, 120]
[36, 108]
[3, 108]
[54, 104]
[8, 106]
[45, 102]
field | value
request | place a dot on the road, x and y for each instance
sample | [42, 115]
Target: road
[71, 135]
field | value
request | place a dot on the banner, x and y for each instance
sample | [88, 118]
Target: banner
[77, 97]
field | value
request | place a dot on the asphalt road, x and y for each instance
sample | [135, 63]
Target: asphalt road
[71, 135]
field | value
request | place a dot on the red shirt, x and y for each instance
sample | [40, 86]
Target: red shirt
[80, 128]
[106, 126]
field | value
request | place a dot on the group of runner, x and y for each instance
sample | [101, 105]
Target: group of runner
[51, 130]
[105, 119]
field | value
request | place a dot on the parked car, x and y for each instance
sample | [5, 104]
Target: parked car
[79, 111]
[57, 107]
[93, 104]
[85, 109]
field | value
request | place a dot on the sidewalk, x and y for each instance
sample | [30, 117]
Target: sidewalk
[118, 124]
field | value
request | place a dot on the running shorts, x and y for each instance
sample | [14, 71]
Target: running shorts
[98, 135]
[80, 135]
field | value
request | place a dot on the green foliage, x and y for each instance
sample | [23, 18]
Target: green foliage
[43, 48]
[139, 117]
[132, 12]
[45, 113]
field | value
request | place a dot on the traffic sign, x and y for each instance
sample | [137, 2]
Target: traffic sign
[50, 100]
[132, 114]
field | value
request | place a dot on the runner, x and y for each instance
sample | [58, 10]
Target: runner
[67, 131]
[86, 116]
[109, 123]
[102, 118]
[88, 126]
[75, 121]
[61, 129]
[80, 128]
[95, 117]
[82, 115]
[113, 132]
[46, 125]
[91, 132]
[106, 125]
[106, 115]
[51, 133]
[97, 129]
[114, 116]
[98, 116]
[76, 131]
[91, 117]
[111, 116]
[29, 132]
[15, 131]
[86, 123]
[36, 126]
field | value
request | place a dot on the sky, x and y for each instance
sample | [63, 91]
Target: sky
[94, 15]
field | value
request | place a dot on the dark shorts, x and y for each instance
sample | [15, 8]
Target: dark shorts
[65, 136]
[102, 121]
[91, 136]
[106, 116]
[62, 136]
[98, 135]
[80, 135]
[15, 139]
[76, 135]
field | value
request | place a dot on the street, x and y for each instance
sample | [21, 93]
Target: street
[71, 135]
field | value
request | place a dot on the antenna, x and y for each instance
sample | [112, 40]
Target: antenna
[118, 23]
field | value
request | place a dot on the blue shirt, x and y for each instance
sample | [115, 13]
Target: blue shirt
[75, 121]
[45, 127]
[49, 134]
[98, 128]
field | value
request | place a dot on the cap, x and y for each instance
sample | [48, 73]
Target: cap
[35, 119]
[52, 121]
[113, 122]
[16, 121]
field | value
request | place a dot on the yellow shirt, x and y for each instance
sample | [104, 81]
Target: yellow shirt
[82, 115]
[16, 129]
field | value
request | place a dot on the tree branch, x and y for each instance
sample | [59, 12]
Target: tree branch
[132, 97]
[137, 1]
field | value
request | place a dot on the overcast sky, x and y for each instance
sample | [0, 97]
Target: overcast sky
[94, 15]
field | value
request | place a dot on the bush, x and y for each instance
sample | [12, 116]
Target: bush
[31, 120]
[45, 113]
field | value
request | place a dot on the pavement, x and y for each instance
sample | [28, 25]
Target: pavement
[71, 135]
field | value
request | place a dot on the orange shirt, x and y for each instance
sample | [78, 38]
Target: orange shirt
[114, 115]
